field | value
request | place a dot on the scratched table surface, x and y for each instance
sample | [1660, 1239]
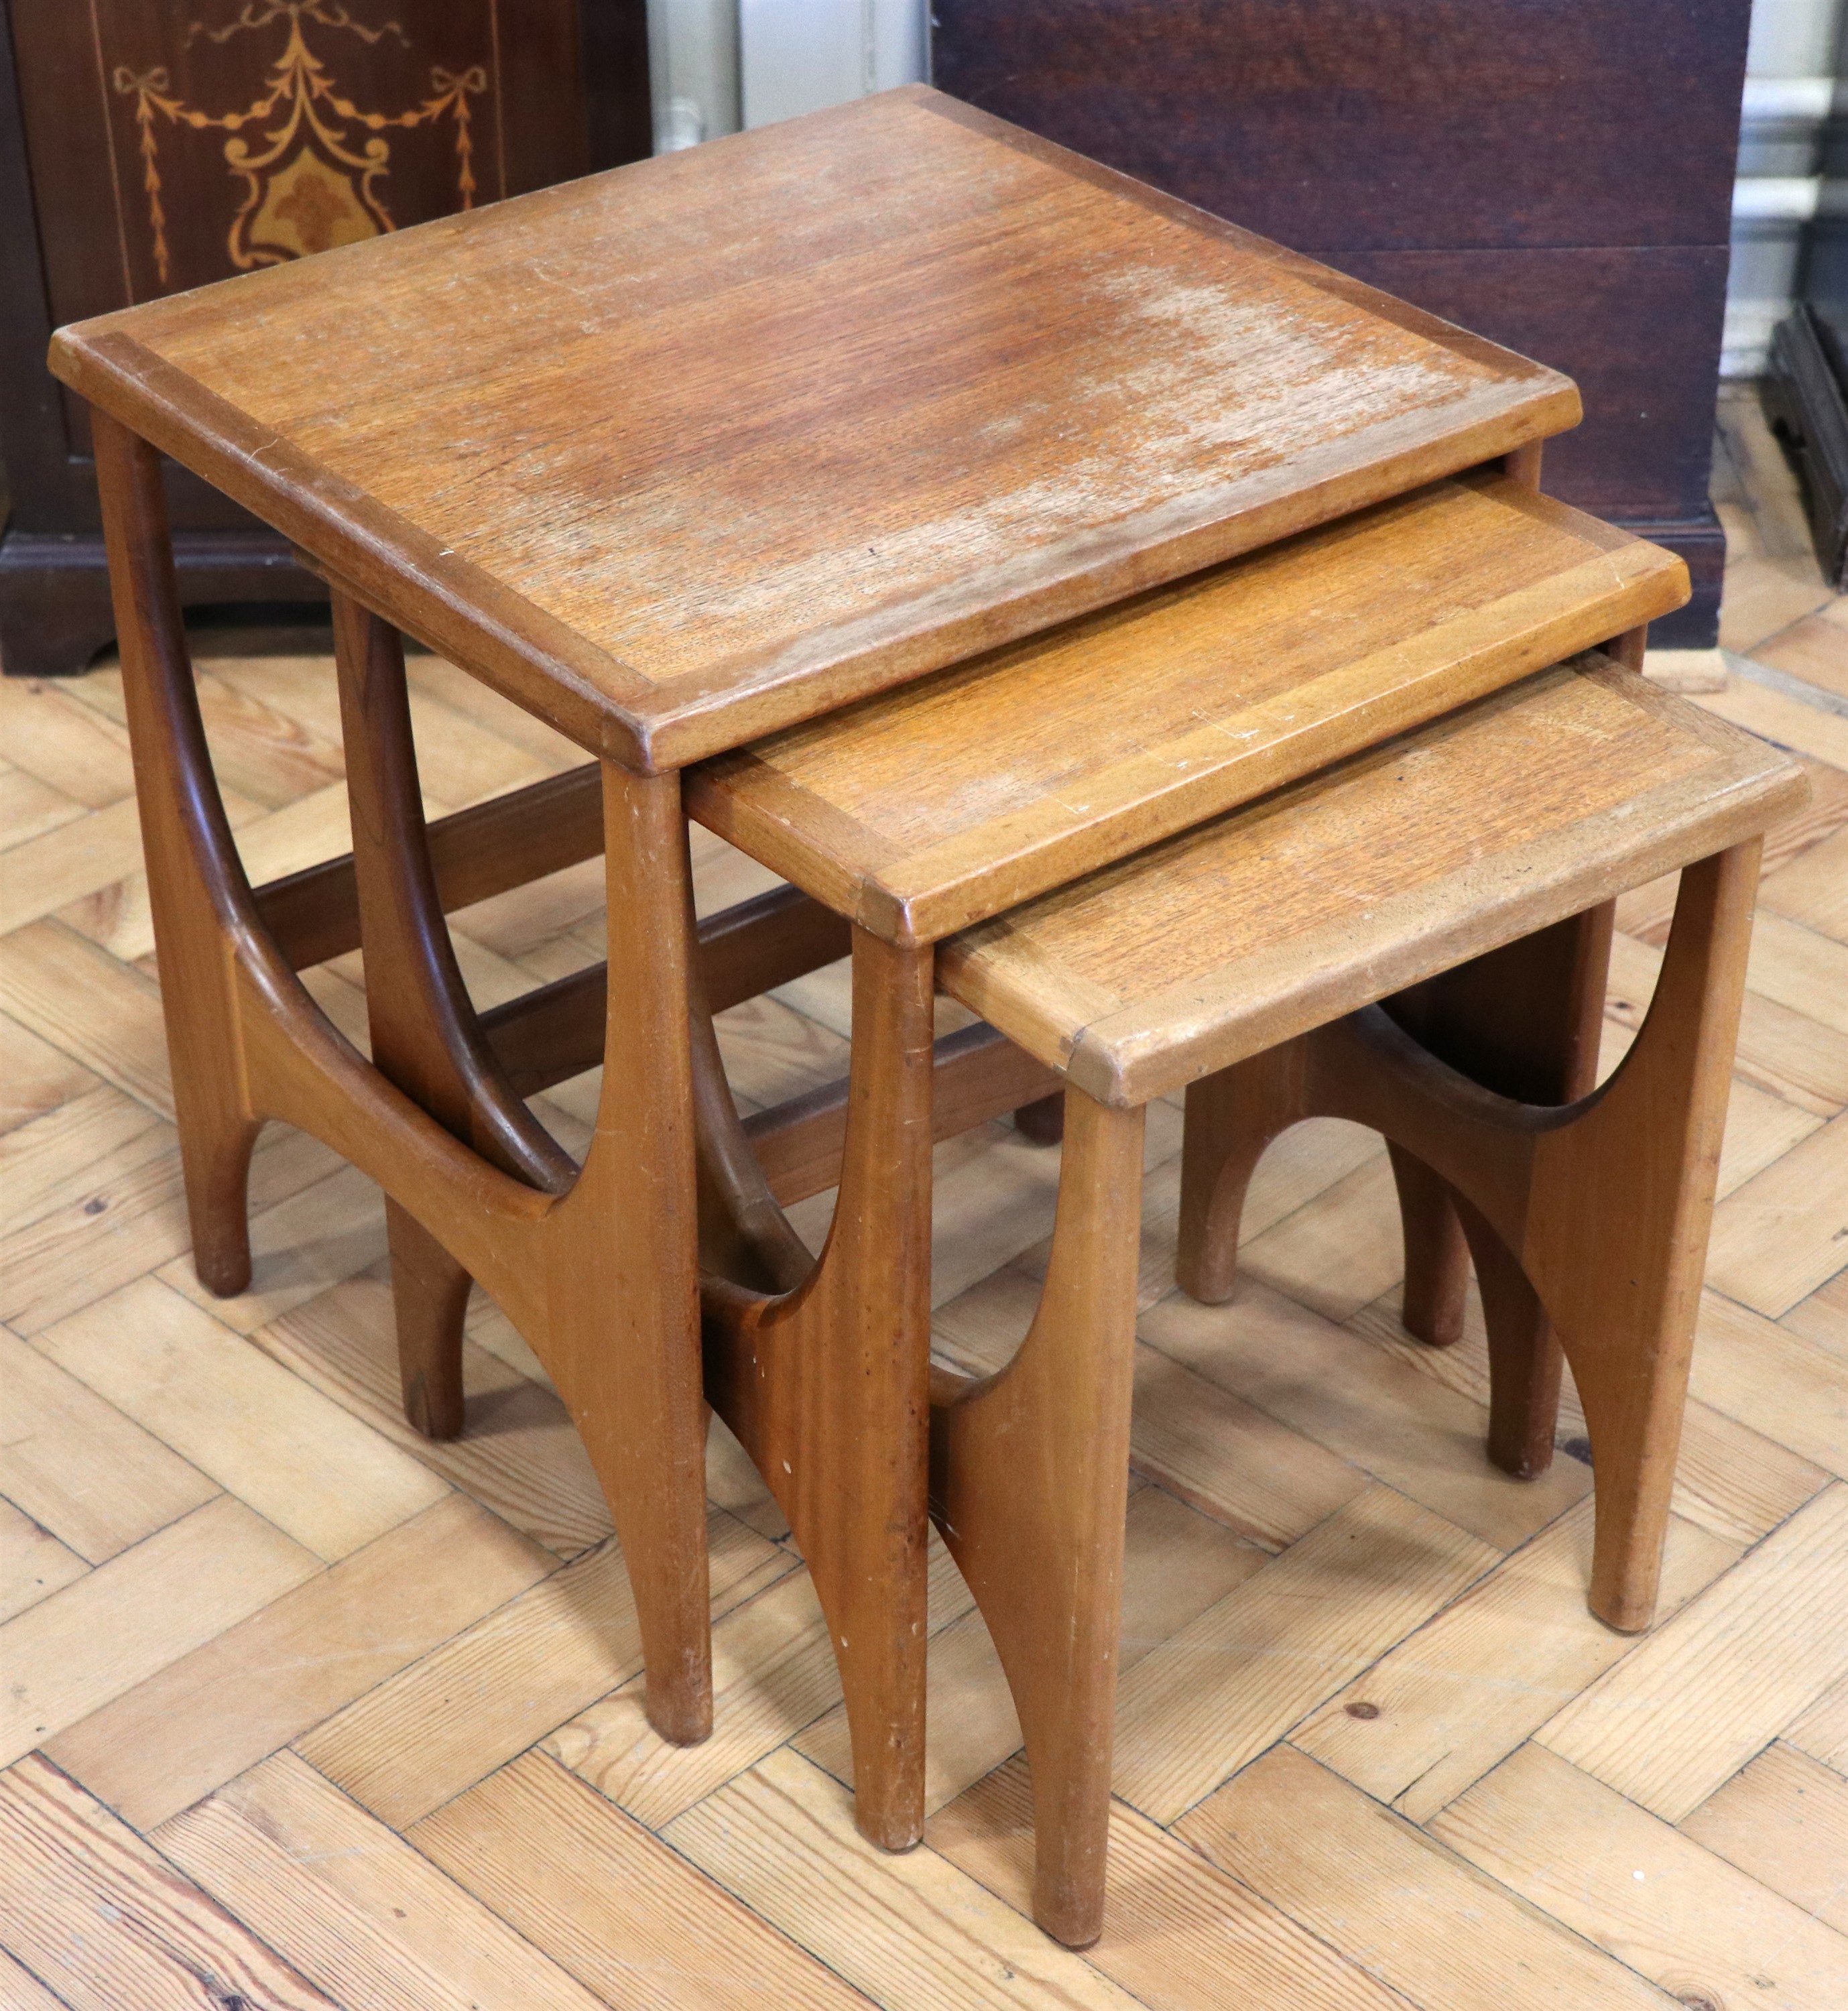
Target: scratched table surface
[682, 453]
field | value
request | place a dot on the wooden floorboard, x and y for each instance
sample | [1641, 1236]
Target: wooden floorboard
[302, 1710]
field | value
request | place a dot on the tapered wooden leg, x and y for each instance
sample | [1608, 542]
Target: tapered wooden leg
[1436, 1255]
[1526, 1363]
[430, 1299]
[1618, 1221]
[193, 871]
[1029, 1484]
[826, 1386]
[425, 1037]
[619, 1327]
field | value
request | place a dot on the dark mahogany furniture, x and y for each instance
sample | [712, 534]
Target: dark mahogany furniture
[1556, 173]
[147, 147]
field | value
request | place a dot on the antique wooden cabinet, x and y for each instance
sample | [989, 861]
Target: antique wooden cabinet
[1554, 174]
[149, 146]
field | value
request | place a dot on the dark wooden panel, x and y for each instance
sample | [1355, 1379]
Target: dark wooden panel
[1333, 125]
[1639, 330]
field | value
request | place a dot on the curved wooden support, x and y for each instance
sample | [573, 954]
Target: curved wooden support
[1524, 1021]
[827, 1385]
[1593, 1214]
[618, 1260]
[1617, 1230]
[193, 874]
[1029, 1484]
[425, 1036]
[603, 1280]
[1231, 1119]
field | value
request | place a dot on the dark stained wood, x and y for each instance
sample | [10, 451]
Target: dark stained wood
[1129, 429]
[1518, 166]
[563, 88]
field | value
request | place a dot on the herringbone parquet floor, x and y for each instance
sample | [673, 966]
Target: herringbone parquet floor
[299, 1709]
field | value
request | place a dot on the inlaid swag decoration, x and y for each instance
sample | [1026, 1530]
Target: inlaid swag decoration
[310, 154]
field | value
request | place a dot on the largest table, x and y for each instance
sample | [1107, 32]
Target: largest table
[673, 458]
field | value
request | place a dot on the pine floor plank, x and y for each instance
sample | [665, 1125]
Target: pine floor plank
[1731, 1480]
[430, 1732]
[1760, 1129]
[1217, 1693]
[1785, 722]
[1371, 1885]
[1813, 888]
[99, 1915]
[1786, 1053]
[21, 1990]
[1178, 1932]
[1782, 1387]
[1457, 1697]
[105, 1633]
[51, 734]
[1694, 1925]
[1822, 1730]
[612, 1905]
[29, 807]
[75, 1463]
[773, 1673]
[1786, 1232]
[1783, 1819]
[259, 751]
[64, 1157]
[308, 1241]
[1711, 1685]
[1823, 1316]
[79, 1000]
[238, 1697]
[33, 1562]
[908, 1931]
[518, 1454]
[133, 1220]
[1337, 1251]
[1208, 1447]
[1177, 1564]
[35, 1077]
[1800, 967]
[294, 1455]
[1403, 1428]
[354, 1907]
[42, 873]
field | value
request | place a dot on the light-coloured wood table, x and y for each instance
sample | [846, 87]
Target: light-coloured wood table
[674, 458]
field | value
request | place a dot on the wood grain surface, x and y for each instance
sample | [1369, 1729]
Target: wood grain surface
[1237, 935]
[941, 804]
[784, 450]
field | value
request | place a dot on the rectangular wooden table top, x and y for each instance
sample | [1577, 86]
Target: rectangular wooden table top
[679, 454]
[1493, 822]
[923, 809]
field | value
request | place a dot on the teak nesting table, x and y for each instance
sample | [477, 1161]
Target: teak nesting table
[961, 517]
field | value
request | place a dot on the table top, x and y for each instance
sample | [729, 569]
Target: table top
[683, 453]
[923, 809]
[1535, 803]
